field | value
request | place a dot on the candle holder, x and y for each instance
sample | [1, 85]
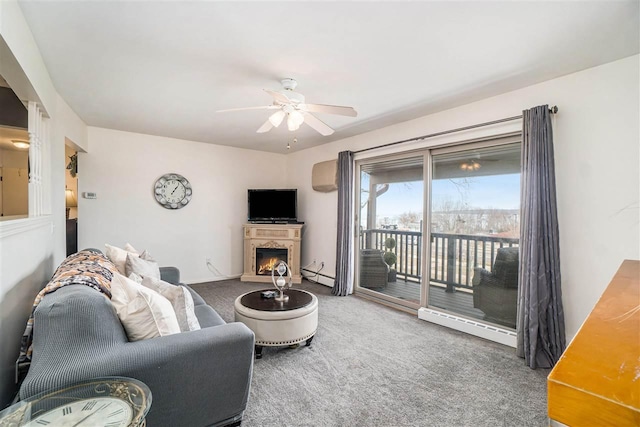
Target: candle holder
[282, 282]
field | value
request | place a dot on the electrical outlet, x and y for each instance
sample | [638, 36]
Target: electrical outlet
[321, 265]
[208, 260]
[314, 261]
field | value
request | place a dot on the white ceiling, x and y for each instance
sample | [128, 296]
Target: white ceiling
[164, 68]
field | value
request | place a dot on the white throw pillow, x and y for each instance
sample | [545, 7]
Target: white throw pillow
[146, 255]
[143, 312]
[141, 267]
[131, 249]
[180, 299]
[118, 256]
[136, 278]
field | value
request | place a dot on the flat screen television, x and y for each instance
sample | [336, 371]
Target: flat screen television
[273, 205]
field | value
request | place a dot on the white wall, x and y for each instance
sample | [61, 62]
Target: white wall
[597, 152]
[30, 248]
[30, 79]
[122, 168]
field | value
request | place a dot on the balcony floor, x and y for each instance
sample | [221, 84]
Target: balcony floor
[458, 302]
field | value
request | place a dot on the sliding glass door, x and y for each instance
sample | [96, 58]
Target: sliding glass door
[475, 228]
[459, 251]
[390, 218]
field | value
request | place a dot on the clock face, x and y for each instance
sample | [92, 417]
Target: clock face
[173, 191]
[95, 412]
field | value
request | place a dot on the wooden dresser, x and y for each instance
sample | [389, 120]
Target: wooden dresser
[597, 380]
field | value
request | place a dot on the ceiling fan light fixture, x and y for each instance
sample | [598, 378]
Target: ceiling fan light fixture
[292, 104]
[276, 118]
[291, 125]
[470, 166]
[297, 116]
[294, 120]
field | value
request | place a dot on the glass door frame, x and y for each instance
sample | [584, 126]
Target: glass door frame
[427, 153]
[493, 141]
[358, 202]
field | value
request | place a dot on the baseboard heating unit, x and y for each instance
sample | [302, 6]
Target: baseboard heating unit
[317, 277]
[489, 332]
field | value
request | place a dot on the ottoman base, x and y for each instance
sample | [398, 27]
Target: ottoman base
[279, 328]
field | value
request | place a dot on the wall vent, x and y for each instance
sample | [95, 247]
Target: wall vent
[489, 332]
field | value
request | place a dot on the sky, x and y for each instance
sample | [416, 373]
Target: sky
[494, 191]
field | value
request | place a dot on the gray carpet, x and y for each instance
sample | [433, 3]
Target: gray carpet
[370, 365]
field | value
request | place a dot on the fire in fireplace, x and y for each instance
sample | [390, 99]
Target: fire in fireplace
[268, 258]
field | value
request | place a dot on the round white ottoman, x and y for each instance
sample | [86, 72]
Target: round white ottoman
[278, 323]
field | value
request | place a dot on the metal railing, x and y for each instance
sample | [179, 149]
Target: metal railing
[453, 256]
[407, 249]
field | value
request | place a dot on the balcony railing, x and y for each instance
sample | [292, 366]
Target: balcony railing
[453, 256]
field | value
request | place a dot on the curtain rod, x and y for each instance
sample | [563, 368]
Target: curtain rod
[552, 110]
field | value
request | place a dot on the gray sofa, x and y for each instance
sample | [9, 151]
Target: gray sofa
[197, 378]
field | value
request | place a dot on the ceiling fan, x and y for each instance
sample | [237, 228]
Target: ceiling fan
[292, 105]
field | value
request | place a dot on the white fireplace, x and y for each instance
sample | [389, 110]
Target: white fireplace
[265, 245]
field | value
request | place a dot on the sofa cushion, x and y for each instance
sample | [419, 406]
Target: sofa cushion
[181, 300]
[170, 275]
[197, 299]
[143, 312]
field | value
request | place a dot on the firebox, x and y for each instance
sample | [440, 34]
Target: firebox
[268, 258]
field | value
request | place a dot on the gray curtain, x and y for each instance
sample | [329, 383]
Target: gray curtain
[540, 327]
[344, 254]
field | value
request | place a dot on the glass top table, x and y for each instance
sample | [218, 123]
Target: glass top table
[108, 401]
[297, 299]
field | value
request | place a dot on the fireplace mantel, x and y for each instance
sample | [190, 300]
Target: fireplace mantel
[272, 236]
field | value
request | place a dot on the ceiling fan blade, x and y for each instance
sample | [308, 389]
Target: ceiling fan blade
[266, 127]
[331, 109]
[280, 97]
[317, 124]
[264, 107]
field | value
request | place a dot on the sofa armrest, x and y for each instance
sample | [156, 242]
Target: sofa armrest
[170, 274]
[209, 369]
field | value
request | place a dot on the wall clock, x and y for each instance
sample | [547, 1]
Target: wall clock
[173, 191]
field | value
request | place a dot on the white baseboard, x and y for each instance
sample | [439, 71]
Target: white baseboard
[321, 279]
[489, 332]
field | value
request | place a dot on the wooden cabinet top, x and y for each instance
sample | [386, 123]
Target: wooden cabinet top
[597, 380]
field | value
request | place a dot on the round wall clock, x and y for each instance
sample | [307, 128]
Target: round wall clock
[173, 191]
